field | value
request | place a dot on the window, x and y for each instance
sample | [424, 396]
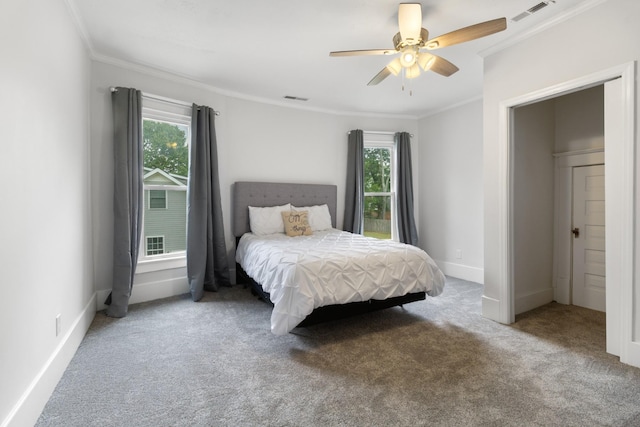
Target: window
[166, 132]
[157, 199]
[155, 245]
[379, 195]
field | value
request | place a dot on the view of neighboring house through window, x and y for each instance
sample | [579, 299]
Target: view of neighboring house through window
[379, 197]
[166, 164]
[155, 245]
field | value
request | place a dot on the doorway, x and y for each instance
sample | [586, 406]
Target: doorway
[551, 140]
[620, 190]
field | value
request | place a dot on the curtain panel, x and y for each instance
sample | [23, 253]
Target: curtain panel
[207, 261]
[127, 195]
[354, 191]
[407, 232]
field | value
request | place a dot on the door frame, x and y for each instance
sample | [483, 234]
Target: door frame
[562, 222]
[620, 173]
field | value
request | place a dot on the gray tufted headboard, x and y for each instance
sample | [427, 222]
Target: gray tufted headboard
[262, 194]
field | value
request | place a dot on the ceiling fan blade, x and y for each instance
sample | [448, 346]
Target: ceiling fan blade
[363, 52]
[466, 34]
[383, 74]
[410, 21]
[443, 67]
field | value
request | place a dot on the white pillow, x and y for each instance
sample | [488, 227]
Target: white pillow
[268, 220]
[319, 216]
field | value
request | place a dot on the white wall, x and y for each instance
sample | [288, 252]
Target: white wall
[451, 190]
[552, 57]
[533, 190]
[580, 120]
[45, 221]
[256, 141]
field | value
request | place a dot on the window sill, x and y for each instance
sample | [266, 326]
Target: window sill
[151, 265]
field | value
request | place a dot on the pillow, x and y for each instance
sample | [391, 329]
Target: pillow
[264, 221]
[296, 223]
[319, 216]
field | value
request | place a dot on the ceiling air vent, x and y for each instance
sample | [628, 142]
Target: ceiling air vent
[532, 10]
[537, 7]
[295, 98]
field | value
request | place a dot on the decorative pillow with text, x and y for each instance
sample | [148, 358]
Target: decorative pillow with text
[296, 223]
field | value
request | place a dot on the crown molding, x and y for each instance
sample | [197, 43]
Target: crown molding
[191, 81]
[451, 107]
[557, 19]
[79, 24]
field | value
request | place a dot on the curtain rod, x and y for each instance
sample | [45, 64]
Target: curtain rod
[165, 99]
[379, 132]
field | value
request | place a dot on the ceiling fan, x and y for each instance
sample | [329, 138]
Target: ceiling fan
[412, 42]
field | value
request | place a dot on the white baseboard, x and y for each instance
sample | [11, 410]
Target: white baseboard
[461, 271]
[631, 353]
[491, 308]
[27, 410]
[143, 292]
[533, 300]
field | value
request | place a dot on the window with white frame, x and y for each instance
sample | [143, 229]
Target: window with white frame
[155, 245]
[157, 199]
[166, 133]
[379, 186]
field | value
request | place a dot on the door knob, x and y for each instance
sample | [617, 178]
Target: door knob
[576, 232]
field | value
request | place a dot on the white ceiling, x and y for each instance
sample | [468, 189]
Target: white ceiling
[266, 50]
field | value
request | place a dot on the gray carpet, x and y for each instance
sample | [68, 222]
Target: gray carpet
[437, 362]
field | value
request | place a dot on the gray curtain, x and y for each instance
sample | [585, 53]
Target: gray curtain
[354, 191]
[127, 195]
[407, 232]
[207, 263]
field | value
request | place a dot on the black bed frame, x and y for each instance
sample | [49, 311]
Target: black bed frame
[270, 194]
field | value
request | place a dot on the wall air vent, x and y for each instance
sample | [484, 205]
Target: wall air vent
[532, 10]
[295, 98]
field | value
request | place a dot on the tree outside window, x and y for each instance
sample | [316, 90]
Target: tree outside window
[165, 147]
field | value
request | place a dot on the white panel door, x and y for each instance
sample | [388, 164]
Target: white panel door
[589, 272]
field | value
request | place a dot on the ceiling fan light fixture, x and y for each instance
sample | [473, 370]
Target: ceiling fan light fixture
[412, 38]
[412, 72]
[426, 61]
[408, 56]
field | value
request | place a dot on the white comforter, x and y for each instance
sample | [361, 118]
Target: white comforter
[332, 267]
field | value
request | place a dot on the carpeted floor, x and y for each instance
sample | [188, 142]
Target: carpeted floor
[436, 362]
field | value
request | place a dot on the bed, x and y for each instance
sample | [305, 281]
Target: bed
[327, 274]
